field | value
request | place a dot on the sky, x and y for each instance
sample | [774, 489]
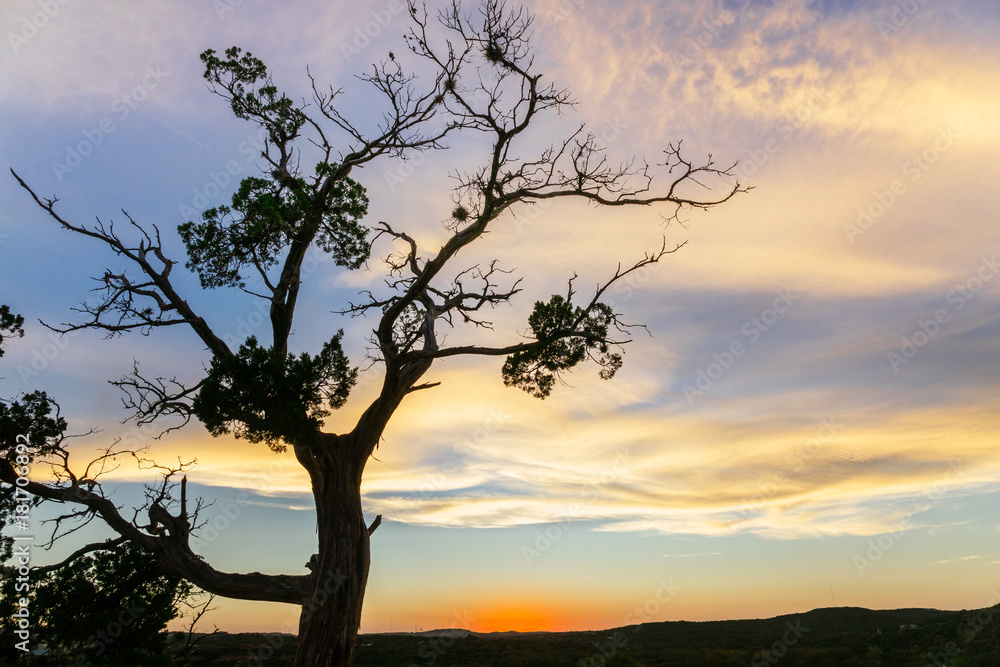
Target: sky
[812, 420]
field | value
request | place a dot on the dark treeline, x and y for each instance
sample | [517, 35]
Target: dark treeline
[822, 637]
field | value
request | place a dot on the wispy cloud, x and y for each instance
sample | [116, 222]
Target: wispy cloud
[957, 560]
[714, 553]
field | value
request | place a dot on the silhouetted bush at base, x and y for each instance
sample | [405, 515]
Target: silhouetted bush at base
[104, 609]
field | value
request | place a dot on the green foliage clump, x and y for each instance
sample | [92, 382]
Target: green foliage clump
[241, 73]
[11, 324]
[31, 417]
[535, 371]
[257, 396]
[265, 218]
[268, 215]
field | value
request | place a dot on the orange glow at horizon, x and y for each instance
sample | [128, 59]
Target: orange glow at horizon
[520, 618]
[529, 615]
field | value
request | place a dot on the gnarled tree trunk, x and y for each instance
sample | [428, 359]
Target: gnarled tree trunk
[331, 614]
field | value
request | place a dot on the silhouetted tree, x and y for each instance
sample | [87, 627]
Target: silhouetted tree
[484, 82]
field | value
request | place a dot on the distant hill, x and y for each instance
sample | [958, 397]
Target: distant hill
[818, 638]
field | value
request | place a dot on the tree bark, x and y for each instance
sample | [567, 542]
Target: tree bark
[331, 613]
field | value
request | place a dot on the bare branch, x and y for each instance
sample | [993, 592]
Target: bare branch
[150, 399]
[199, 610]
[570, 332]
[166, 307]
[171, 548]
[107, 545]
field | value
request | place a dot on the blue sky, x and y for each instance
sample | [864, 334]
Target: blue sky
[821, 371]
